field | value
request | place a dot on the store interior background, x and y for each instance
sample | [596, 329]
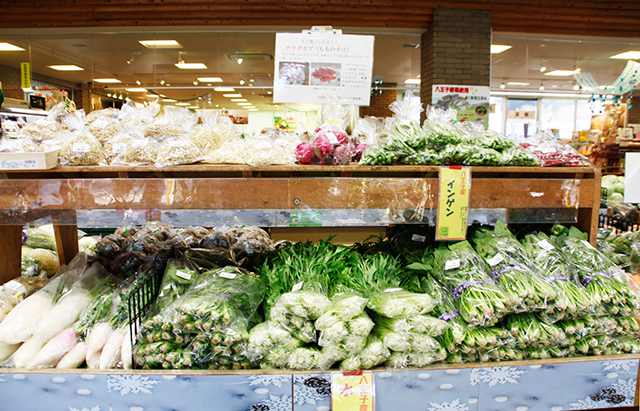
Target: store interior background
[242, 59]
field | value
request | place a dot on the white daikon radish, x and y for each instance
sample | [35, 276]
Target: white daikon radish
[6, 350]
[54, 350]
[95, 343]
[21, 322]
[75, 357]
[110, 356]
[126, 350]
[27, 351]
[63, 314]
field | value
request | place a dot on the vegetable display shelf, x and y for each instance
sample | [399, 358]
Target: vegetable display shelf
[559, 384]
[274, 196]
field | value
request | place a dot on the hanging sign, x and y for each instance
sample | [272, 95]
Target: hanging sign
[352, 391]
[471, 102]
[25, 75]
[315, 66]
[453, 203]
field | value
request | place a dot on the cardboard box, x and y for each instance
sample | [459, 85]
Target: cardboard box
[29, 161]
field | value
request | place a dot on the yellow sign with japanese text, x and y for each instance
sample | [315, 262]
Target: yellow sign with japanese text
[453, 203]
[352, 391]
[25, 75]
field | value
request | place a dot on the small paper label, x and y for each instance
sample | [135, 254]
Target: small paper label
[419, 238]
[228, 276]
[139, 143]
[177, 143]
[99, 124]
[305, 218]
[497, 259]
[81, 148]
[183, 274]
[263, 145]
[15, 287]
[332, 138]
[297, 287]
[392, 290]
[405, 122]
[119, 148]
[451, 264]
[544, 244]
[588, 244]
[18, 164]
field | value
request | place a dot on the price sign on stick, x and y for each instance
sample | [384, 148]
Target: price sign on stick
[453, 203]
[352, 391]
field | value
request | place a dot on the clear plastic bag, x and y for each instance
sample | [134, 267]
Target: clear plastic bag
[13, 292]
[139, 151]
[104, 128]
[107, 113]
[79, 146]
[45, 129]
[552, 152]
[214, 131]
[175, 123]
[330, 144]
[398, 303]
[176, 151]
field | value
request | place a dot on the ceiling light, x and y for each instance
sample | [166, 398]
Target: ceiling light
[562, 73]
[168, 85]
[503, 86]
[210, 79]
[576, 87]
[120, 96]
[67, 67]
[541, 87]
[629, 55]
[162, 82]
[412, 81]
[239, 100]
[238, 95]
[136, 90]
[195, 82]
[160, 44]
[269, 92]
[543, 69]
[107, 80]
[138, 82]
[244, 104]
[183, 104]
[499, 48]
[251, 80]
[223, 89]
[191, 66]
[9, 47]
[253, 109]
[108, 94]
[517, 83]
[151, 95]
[240, 60]
[169, 100]
[241, 82]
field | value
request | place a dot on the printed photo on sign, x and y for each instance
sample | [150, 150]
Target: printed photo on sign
[325, 74]
[292, 73]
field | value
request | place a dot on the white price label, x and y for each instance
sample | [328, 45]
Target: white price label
[263, 145]
[183, 274]
[99, 124]
[81, 148]
[297, 287]
[545, 245]
[177, 143]
[16, 287]
[497, 259]
[588, 244]
[139, 143]
[392, 290]
[332, 138]
[18, 164]
[419, 238]
[405, 122]
[119, 148]
[451, 264]
[228, 276]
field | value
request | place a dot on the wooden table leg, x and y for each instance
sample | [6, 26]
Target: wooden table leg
[10, 252]
[66, 238]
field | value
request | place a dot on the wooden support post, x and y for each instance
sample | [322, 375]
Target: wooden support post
[10, 252]
[66, 238]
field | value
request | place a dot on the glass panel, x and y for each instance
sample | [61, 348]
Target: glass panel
[558, 116]
[496, 117]
[521, 117]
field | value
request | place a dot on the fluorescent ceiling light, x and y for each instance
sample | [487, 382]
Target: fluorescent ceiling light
[412, 81]
[160, 44]
[502, 93]
[152, 95]
[239, 100]
[191, 66]
[517, 83]
[223, 89]
[499, 48]
[136, 90]
[244, 104]
[9, 47]
[210, 79]
[237, 95]
[67, 67]
[562, 73]
[169, 100]
[183, 104]
[629, 55]
[107, 80]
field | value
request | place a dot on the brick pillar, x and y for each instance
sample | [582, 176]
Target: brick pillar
[11, 83]
[633, 114]
[456, 50]
[379, 104]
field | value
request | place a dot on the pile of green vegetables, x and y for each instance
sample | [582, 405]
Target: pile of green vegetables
[623, 248]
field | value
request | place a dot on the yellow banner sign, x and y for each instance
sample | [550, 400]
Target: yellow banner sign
[453, 203]
[25, 75]
[352, 391]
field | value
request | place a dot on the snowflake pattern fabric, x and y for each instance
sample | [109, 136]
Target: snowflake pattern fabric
[446, 406]
[310, 390]
[496, 375]
[274, 403]
[618, 394]
[275, 380]
[131, 384]
[621, 365]
[96, 408]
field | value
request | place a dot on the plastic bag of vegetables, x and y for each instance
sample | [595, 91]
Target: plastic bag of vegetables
[13, 292]
[39, 260]
[440, 129]
[214, 131]
[42, 237]
[330, 144]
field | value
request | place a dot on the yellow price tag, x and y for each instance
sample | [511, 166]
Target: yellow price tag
[352, 391]
[25, 75]
[453, 203]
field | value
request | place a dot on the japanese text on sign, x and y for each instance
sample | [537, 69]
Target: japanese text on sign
[352, 391]
[25, 75]
[453, 203]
